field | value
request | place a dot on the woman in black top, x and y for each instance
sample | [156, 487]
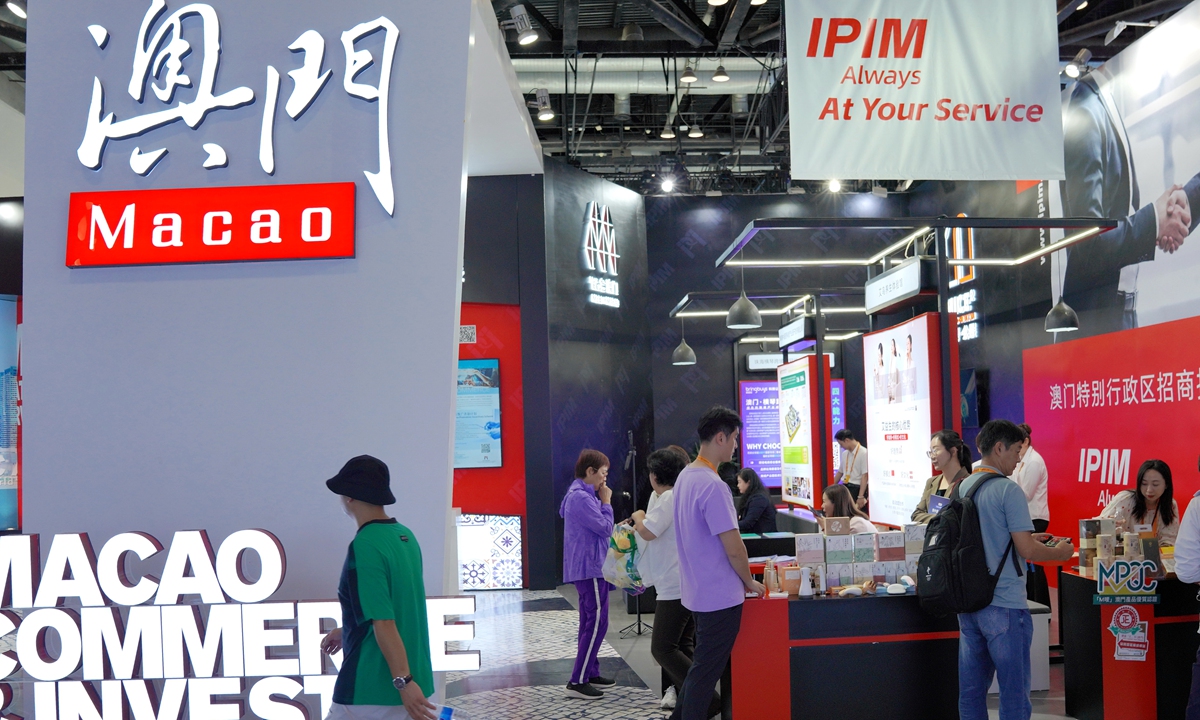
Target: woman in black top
[757, 514]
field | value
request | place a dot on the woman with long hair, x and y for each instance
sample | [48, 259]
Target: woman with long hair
[836, 501]
[952, 459]
[757, 513]
[1151, 502]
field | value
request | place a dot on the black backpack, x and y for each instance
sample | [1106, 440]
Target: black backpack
[952, 574]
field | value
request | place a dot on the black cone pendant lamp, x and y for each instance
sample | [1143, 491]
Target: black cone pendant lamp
[684, 354]
[744, 315]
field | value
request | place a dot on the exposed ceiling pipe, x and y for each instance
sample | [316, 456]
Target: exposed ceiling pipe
[739, 104]
[662, 12]
[765, 34]
[672, 112]
[621, 107]
[645, 83]
[1103, 25]
[703, 66]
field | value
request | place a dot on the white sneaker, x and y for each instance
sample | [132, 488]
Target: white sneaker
[669, 699]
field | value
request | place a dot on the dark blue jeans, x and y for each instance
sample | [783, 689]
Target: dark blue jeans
[1193, 706]
[994, 641]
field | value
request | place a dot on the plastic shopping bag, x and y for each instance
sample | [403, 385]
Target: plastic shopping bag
[620, 565]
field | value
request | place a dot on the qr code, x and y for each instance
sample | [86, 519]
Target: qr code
[466, 333]
[485, 447]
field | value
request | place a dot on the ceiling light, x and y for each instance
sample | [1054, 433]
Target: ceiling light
[668, 133]
[545, 111]
[1081, 5]
[755, 339]
[684, 354]
[717, 2]
[835, 186]
[743, 315]
[720, 75]
[599, 128]
[1120, 28]
[17, 10]
[847, 336]
[668, 184]
[879, 191]
[10, 213]
[1078, 64]
[688, 76]
[522, 24]
[632, 33]
[695, 132]
[1061, 318]
[758, 2]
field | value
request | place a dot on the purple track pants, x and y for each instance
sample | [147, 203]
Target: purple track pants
[593, 624]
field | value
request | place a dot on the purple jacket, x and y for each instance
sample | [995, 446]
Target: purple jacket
[587, 526]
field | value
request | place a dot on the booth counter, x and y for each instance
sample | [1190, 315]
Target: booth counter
[1149, 674]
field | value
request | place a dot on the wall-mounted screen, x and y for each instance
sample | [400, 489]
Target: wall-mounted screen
[9, 416]
[758, 401]
[477, 418]
[796, 432]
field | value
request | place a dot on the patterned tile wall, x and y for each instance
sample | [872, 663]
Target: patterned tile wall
[489, 552]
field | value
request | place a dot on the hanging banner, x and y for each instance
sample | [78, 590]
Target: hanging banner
[936, 89]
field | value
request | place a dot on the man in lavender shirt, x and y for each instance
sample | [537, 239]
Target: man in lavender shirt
[714, 570]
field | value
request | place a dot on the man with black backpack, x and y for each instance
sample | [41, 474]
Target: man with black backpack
[996, 637]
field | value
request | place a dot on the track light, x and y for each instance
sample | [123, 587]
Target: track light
[1120, 28]
[720, 75]
[688, 76]
[1078, 64]
[545, 111]
[879, 191]
[17, 9]
[668, 133]
[835, 186]
[668, 184]
[684, 354]
[522, 24]
[695, 132]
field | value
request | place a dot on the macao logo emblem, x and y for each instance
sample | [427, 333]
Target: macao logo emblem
[600, 257]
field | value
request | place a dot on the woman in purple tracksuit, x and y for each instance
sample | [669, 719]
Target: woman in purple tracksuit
[587, 525]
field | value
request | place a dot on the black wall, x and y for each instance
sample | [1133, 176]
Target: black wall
[491, 269]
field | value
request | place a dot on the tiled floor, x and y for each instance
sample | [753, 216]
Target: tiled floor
[527, 643]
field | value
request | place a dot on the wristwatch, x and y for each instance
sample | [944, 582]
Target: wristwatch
[401, 682]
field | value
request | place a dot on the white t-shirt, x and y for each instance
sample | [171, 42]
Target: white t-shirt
[659, 562]
[1034, 480]
[854, 464]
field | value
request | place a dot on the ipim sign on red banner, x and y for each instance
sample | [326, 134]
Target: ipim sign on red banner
[203, 225]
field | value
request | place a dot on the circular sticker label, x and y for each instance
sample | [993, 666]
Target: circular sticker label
[1126, 617]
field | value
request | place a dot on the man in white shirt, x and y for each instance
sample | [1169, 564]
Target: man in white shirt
[1032, 476]
[854, 467]
[1187, 569]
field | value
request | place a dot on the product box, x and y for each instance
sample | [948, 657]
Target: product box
[1092, 528]
[910, 568]
[863, 572]
[864, 547]
[914, 539]
[1106, 547]
[837, 526]
[890, 545]
[840, 574]
[839, 549]
[810, 548]
[880, 572]
[1151, 552]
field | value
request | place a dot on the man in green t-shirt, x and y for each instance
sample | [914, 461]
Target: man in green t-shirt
[386, 672]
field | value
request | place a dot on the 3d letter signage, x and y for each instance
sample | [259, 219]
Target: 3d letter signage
[232, 224]
[144, 643]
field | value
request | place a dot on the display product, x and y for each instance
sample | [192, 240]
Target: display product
[837, 526]
[810, 548]
[759, 406]
[914, 539]
[839, 549]
[891, 545]
[864, 547]
[841, 573]
[477, 415]
[864, 572]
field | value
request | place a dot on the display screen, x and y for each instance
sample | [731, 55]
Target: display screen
[898, 419]
[9, 414]
[477, 418]
[758, 401]
[796, 431]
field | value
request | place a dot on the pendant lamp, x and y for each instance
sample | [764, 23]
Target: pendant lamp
[1061, 318]
[684, 354]
[743, 315]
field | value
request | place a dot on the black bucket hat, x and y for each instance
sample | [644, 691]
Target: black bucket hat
[364, 478]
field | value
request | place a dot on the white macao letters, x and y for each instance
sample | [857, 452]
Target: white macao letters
[110, 568]
[200, 701]
[125, 225]
[262, 706]
[167, 224]
[309, 633]
[170, 705]
[16, 569]
[8, 623]
[32, 651]
[265, 228]
[257, 638]
[183, 628]
[77, 701]
[71, 554]
[321, 685]
[441, 632]
[226, 235]
[189, 547]
[306, 224]
[139, 645]
[271, 561]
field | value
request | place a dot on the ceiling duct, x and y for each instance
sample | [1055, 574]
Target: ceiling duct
[739, 104]
[621, 107]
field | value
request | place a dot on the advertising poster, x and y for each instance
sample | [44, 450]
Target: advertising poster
[477, 416]
[758, 401]
[9, 417]
[899, 418]
[796, 431]
[837, 405]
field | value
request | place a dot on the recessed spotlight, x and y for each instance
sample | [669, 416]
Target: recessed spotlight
[835, 186]
[17, 10]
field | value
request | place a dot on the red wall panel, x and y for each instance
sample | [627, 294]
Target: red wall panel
[497, 491]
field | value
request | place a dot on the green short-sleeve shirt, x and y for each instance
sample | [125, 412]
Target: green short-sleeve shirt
[381, 580]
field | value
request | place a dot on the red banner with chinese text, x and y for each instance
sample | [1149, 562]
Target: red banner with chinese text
[1101, 406]
[203, 225]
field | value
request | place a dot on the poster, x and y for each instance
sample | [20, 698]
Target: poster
[937, 89]
[837, 404]
[9, 414]
[899, 418]
[758, 402]
[796, 430]
[477, 416]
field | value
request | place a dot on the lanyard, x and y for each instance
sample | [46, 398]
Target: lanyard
[979, 468]
[850, 465]
[705, 461]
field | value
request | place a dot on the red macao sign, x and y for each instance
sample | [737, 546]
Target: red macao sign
[204, 225]
[1100, 406]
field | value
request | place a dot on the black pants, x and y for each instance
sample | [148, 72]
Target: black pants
[854, 490]
[1036, 588]
[674, 640]
[1193, 706]
[715, 634]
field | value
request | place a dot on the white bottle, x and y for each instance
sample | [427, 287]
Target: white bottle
[821, 587]
[806, 590]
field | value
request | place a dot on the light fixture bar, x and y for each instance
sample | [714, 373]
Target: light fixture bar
[702, 313]
[901, 243]
[847, 336]
[842, 310]
[795, 263]
[801, 299]
[1053, 247]
[763, 339]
